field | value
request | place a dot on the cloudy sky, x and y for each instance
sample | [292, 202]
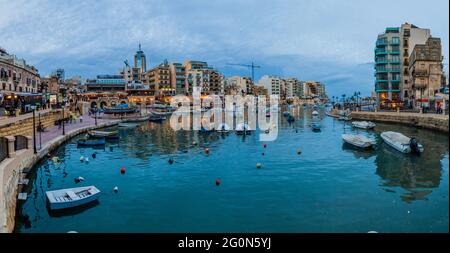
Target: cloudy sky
[326, 40]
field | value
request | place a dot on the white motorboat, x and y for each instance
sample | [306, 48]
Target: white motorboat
[243, 128]
[67, 198]
[363, 124]
[223, 128]
[402, 143]
[358, 140]
[128, 125]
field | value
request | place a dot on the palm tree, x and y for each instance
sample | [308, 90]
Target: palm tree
[343, 99]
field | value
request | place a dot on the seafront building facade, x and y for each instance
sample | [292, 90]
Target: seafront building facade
[393, 84]
[426, 72]
[16, 75]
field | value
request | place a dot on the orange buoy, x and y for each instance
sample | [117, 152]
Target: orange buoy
[265, 145]
[207, 151]
[122, 170]
[217, 182]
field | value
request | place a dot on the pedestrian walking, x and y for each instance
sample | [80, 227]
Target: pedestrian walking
[81, 119]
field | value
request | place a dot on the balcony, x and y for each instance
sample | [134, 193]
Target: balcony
[380, 52]
[381, 43]
[394, 52]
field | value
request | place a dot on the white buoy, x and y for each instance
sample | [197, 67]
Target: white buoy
[81, 178]
[86, 159]
[258, 165]
[116, 189]
[72, 232]
[82, 158]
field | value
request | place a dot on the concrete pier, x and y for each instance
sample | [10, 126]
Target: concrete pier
[429, 121]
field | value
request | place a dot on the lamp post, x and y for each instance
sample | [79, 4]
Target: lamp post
[64, 130]
[40, 131]
[33, 107]
[95, 115]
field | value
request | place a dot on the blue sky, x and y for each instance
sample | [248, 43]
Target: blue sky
[326, 40]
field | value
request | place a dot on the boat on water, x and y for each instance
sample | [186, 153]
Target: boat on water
[223, 128]
[316, 126]
[402, 143]
[328, 113]
[136, 119]
[102, 134]
[71, 197]
[156, 118]
[127, 125]
[315, 113]
[242, 129]
[125, 108]
[363, 124]
[358, 140]
[94, 142]
[344, 118]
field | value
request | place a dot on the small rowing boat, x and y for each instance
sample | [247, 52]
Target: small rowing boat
[67, 198]
[358, 140]
[363, 124]
[87, 142]
[102, 134]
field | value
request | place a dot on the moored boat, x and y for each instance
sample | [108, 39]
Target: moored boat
[67, 198]
[156, 118]
[102, 134]
[127, 125]
[223, 128]
[363, 124]
[88, 142]
[358, 140]
[402, 143]
[243, 129]
[316, 126]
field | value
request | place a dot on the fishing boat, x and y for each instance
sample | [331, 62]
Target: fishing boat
[290, 118]
[102, 134]
[401, 142]
[87, 142]
[358, 140]
[243, 129]
[363, 124]
[315, 126]
[328, 113]
[344, 118]
[121, 109]
[223, 128]
[127, 125]
[72, 197]
[156, 118]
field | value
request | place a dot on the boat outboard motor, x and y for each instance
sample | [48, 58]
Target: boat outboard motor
[414, 146]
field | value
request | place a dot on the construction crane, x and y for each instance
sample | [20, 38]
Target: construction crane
[252, 66]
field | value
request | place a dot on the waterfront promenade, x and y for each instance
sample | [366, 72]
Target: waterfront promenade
[423, 120]
[11, 168]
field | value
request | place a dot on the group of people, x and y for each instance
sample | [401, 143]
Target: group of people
[70, 120]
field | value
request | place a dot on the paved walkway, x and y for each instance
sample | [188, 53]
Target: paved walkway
[10, 120]
[51, 133]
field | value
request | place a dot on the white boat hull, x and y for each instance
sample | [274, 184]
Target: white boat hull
[58, 200]
[358, 141]
[398, 141]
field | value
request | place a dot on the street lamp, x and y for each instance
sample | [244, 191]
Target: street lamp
[64, 130]
[40, 132]
[95, 115]
[33, 107]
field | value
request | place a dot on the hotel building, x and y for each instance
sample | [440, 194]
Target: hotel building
[16, 75]
[178, 78]
[272, 84]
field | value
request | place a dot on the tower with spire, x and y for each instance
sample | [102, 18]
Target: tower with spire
[140, 60]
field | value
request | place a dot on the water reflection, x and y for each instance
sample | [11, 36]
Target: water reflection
[418, 175]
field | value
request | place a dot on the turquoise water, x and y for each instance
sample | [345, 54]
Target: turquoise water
[328, 188]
